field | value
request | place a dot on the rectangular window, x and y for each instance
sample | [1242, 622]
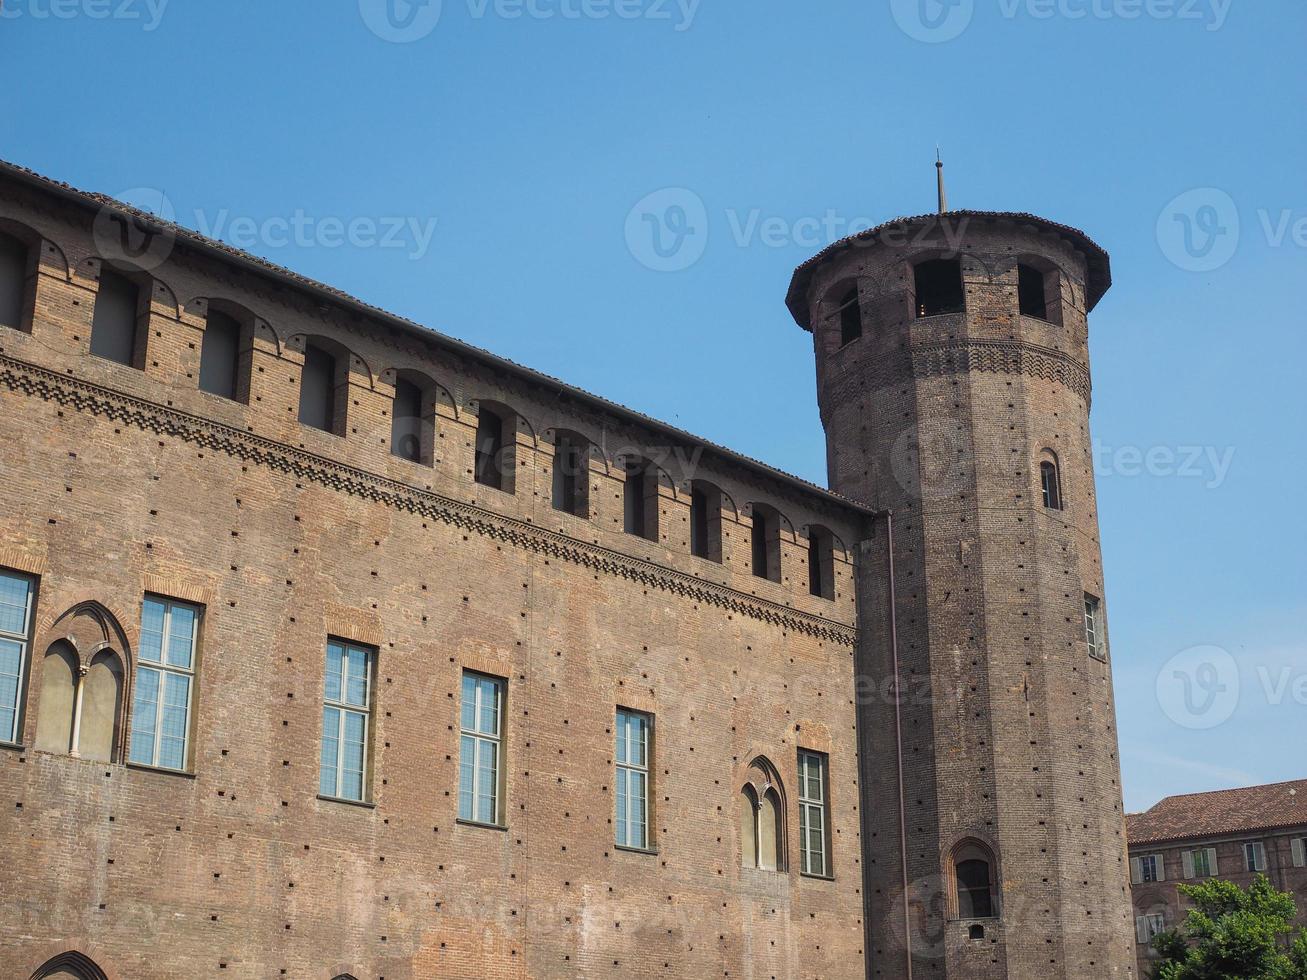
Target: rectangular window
[1150, 866]
[220, 355]
[1094, 638]
[346, 712]
[813, 845]
[1148, 926]
[633, 729]
[1298, 851]
[15, 619]
[165, 674]
[480, 748]
[318, 390]
[14, 263]
[1200, 863]
[114, 318]
[1254, 856]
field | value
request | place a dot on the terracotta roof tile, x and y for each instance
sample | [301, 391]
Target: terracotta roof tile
[1226, 811]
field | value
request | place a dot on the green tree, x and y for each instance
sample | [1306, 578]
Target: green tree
[1233, 934]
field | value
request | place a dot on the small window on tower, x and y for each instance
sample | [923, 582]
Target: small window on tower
[705, 521]
[939, 287]
[1050, 484]
[1030, 292]
[850, 317]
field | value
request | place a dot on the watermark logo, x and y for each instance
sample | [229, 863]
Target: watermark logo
[1199, 230]
[933, 21]
[667, 231]
[1198, 688]
[136, 240]
[149, 13]
[401, 21]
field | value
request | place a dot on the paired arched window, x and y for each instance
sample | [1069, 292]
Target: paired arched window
[705, 520]
[973, 877]
[80, 712]
[938, 287]
[413, 418]
[1050, 481]
[571, 473]
[762, 819]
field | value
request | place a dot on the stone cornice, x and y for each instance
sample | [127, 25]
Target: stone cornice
[94, 399]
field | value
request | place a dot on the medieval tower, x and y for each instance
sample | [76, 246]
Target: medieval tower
[954, 388]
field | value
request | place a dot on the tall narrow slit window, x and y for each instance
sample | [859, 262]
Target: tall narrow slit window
[705, 521]
[14, 261]
[633, 739]
[220, 352]
[489, 466]
[346, 719]
[16, 592]
[571, 477]
[814, 845]
[318, 389]
[115, 333]
[1050, 484]
[765, 543]
[821, 562]
[1095, 640]
[480, 749]
[850, 312]
[1031, 295]
[939, 287]
[165, 676]
[640, 499]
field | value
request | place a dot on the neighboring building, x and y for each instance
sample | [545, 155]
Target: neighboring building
[1231, 833]
[331, 646]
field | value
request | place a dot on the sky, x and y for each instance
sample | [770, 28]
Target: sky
[616, 192]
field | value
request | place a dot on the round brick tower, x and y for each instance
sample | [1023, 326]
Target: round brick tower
[953, 380]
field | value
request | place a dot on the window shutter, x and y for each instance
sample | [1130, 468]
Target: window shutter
[1141, 928]
[1136, 871]
[1299, 857]
[1188, 857]
[1211, 862]
[1261, 856]
[1161, 866]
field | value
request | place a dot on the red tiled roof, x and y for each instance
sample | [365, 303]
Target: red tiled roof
[1226, 811]
[1100, 266]
[254, 263]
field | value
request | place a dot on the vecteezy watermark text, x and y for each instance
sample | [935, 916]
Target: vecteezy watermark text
[1211, 464]
[406, 21]
[148, 12]
[937, 21]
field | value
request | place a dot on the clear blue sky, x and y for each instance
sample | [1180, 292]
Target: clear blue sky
[530, 138]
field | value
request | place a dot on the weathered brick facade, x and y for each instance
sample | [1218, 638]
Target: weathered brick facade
[125, 480]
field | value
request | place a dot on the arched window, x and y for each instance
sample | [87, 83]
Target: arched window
[765, 542]
[939, 287]
[1050, 482]
[571, 473]
[762, 819]
[54, 717]
[495, 464]
[973, 882]
[640, 498]
[324, 386]
[16, 276]
[821, 562]
[100, 722]
[119, 322]
[413, 418]
[224, 342]
[69, 966]
[850, 310]
[705, 520]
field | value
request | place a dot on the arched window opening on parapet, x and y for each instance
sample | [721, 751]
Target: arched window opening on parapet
[69, 966]
[324, 387]
[571, 473]
[1039, 290]
[939, 287]
[973, 882]
[765, 542]
[226, 352]
[640, 498]
[705, 520]
[119, 321]
[495, 464]
[850, 312]
[1050, 482]
[17, 281]
[413, 418]
[821, 562]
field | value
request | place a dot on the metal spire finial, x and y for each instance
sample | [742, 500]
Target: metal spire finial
[939, 179]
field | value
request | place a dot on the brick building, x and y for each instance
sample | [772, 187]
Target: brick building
[331, 646]
[1232, 833]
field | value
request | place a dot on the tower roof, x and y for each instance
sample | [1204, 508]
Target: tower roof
[1098, 280]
